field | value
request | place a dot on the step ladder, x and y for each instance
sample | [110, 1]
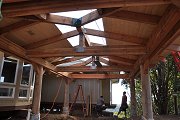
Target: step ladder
[79, 89]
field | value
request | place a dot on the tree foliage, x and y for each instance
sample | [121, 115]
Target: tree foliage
[163, 77]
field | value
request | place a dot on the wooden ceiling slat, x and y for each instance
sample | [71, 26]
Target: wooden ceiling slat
[49, 6]
[168, 29]
[99, 76]
[121, 59]
[51, 40]
[19, 52]
[17, 26]
[136, 17]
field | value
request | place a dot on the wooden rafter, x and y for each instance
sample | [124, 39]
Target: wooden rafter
[136, 17]
[112, 63]
[115, 36]
[99, 76]
[98, 14]
[50, 18]
[49, 6]
[121, 60]
[53, 59]
[167, 31]
[19, 52]
[89, 51]
[17, 26]
[89, 69]
[84, 63]
[81, 31]
[51, 40]
[67, 60]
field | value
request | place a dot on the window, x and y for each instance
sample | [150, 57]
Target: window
[31, 92]
[33, 79]
[23, 93]
[9, 71]
[26, 74]
[6, 91]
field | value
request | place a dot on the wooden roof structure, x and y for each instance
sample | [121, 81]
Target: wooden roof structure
[136, 31]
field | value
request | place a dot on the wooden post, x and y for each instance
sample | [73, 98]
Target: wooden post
[133, 98]
[146, 95]
[66, 98]
[37, 93]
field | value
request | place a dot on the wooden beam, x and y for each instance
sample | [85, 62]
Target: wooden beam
[115, 36]
[12, 1]
[16, 50]
[166, 32]
[49, 6]
[99, 76]
[89, 69]
[16, 26]
[67, 60]
[53, 59]
[84, 63]
[81, 31]
[98, 14]
[112, 63]
[50, 18]
[136, 17]
[121, 60]
[89, 51]
[51, 40]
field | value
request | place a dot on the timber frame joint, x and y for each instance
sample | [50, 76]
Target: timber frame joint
[76, 22]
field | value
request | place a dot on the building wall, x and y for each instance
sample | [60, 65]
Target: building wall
[15, 100]
[91, 87]
[106, 90]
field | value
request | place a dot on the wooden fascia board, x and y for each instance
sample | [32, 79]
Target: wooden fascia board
[89, 69]
[99, 76]
[136, 17]
[18, 51]
[89, 51]
[115, 36]
[49, 6]
[51, 40]
[165, 33]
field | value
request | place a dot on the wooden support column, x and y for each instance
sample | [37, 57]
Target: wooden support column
[66, 98]
[133, 98]
[37, 93]
[146, 95]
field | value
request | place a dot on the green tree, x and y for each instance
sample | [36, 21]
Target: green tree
[163, 76]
